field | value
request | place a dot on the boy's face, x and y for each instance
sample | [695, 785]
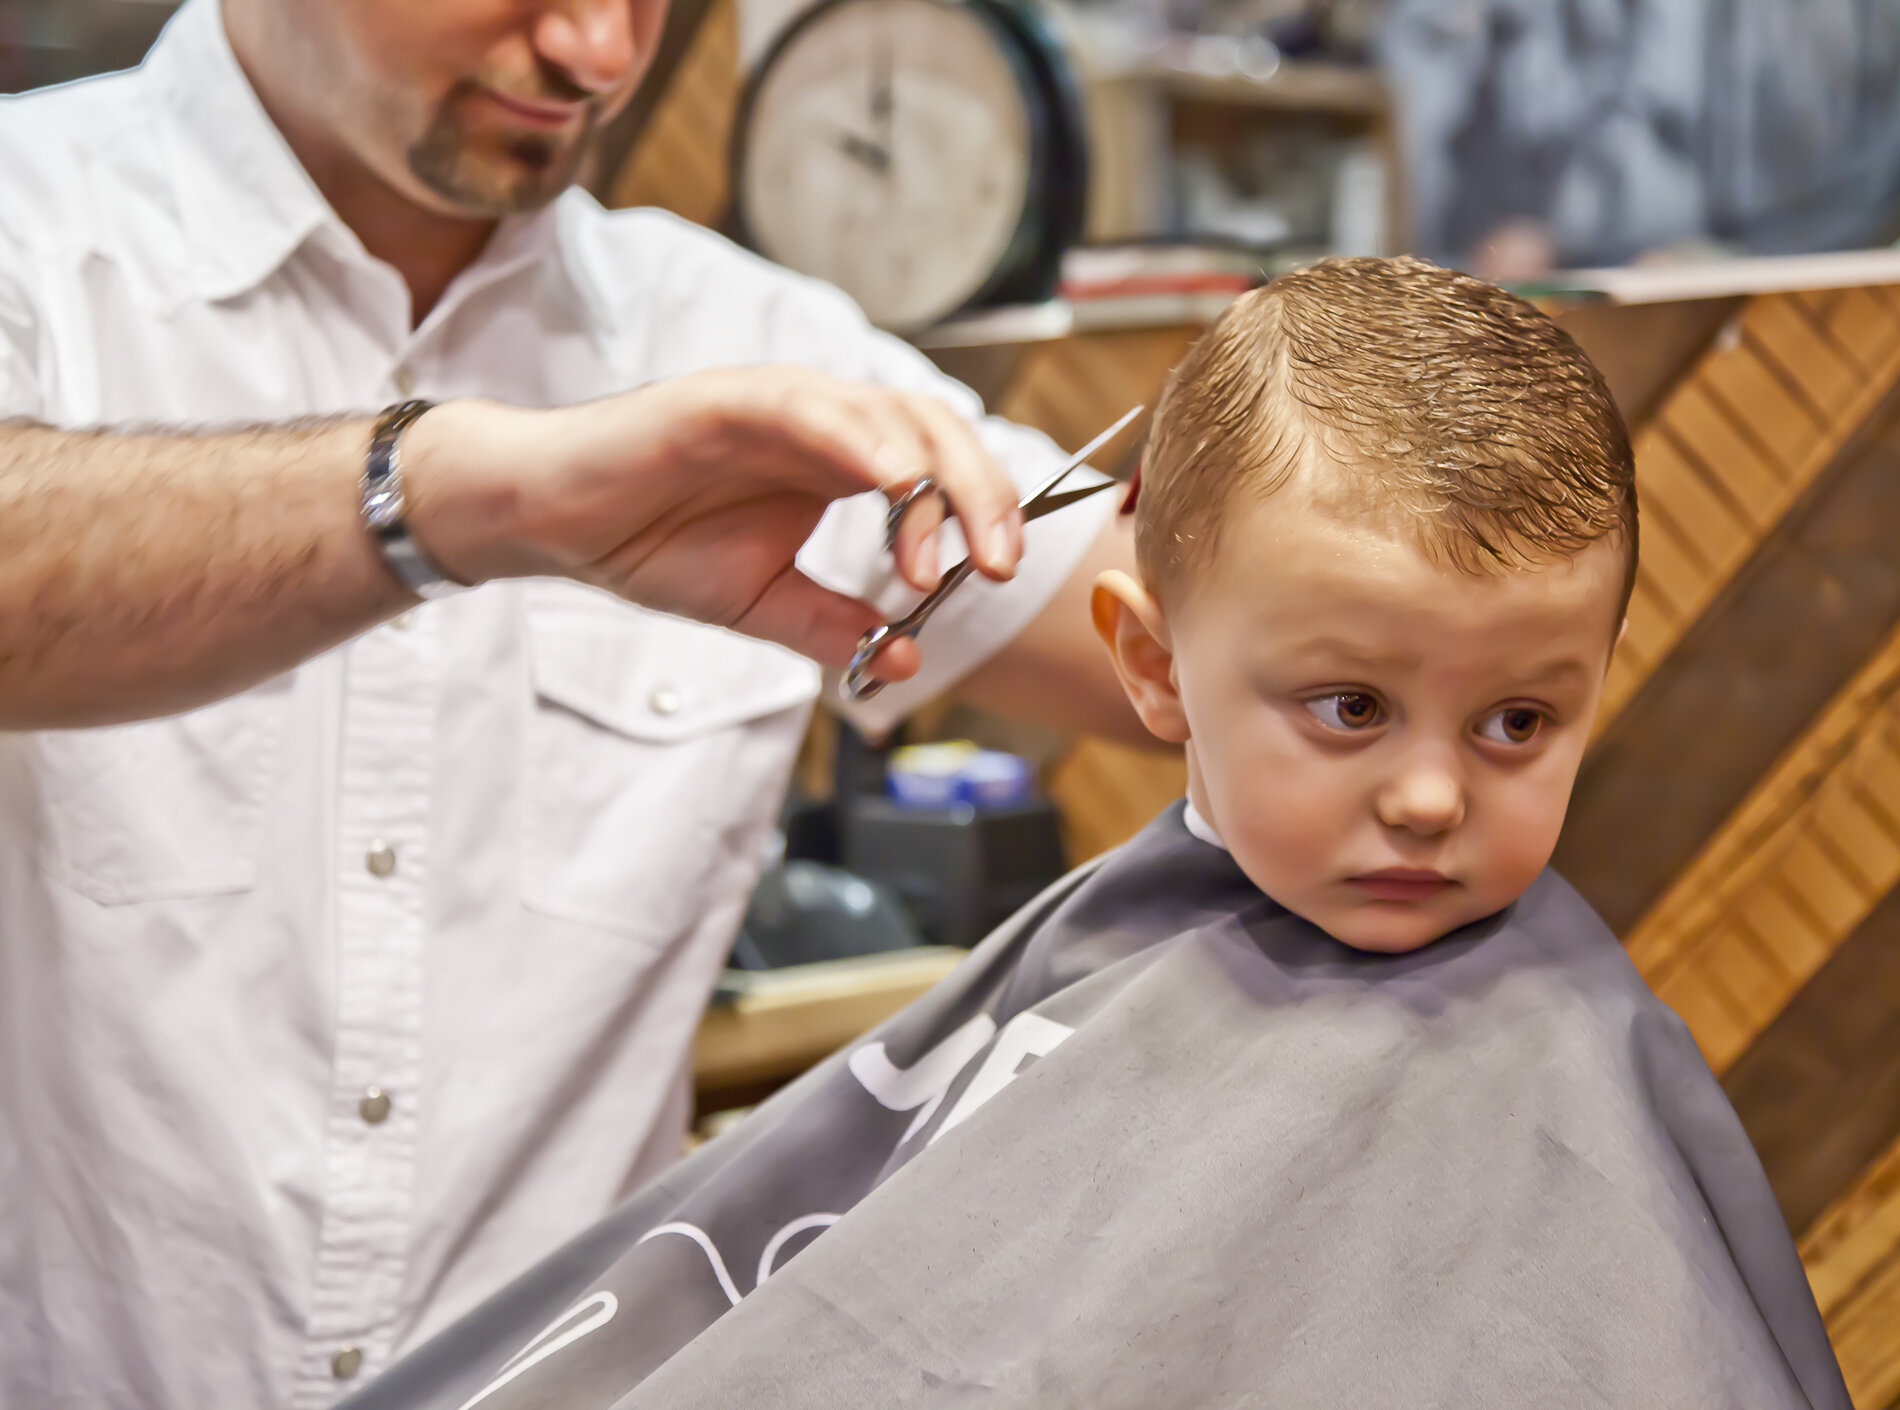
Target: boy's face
[1386, 744]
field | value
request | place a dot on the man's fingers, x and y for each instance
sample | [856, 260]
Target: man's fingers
[915, 547]
[980, 493]
[814, 621]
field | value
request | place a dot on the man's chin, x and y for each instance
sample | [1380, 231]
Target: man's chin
[489, 185]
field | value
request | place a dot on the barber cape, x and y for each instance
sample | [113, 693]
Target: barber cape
[1160, 1143]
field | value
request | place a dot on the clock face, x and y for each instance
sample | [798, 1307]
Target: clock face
[888, 150]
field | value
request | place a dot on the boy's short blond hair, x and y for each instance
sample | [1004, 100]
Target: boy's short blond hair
[1435, 401]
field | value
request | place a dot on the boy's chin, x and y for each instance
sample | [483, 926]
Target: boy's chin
[1381, 927]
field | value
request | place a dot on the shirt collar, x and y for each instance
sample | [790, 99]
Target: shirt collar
[245, 200]
[1199, 826]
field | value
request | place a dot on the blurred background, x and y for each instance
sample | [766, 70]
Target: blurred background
[1053, 199]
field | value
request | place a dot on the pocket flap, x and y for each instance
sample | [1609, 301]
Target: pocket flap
[652, 676]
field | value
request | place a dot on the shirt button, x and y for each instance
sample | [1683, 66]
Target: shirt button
[346, 1363]
[374, 1108]
[381, 860]
[405, 621]
[405, 380]
[664, 701]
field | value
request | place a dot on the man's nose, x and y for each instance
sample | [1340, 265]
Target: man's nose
[591, 41]
[1425, 797]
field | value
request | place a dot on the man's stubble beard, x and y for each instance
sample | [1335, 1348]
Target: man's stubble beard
[532, 171]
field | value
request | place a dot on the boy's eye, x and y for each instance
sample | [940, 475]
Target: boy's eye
[1347, 710]
[1514, 724]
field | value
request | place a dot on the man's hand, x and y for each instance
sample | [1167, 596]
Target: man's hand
[694, 496]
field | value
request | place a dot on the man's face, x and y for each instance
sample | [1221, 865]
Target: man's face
[468, 107]
[1386, 744]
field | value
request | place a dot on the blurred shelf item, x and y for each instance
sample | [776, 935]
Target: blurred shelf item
[1342, 89]
[1206, 134]
[56, 41]
[1724, 278]
[1063, 318]
[773, 1024]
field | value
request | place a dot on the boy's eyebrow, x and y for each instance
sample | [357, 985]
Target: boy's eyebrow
[1567, 670]
[1336, 646]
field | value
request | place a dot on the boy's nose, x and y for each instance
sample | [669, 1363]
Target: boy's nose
[591, 41]
[1426, 799]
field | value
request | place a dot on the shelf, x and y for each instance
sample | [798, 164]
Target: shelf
[776, 1023]
[1059, 318]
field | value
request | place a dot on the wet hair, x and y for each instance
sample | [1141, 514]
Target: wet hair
[1397, 391]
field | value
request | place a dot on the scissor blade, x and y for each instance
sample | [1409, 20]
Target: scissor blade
[1081, 455]
[1050, 503]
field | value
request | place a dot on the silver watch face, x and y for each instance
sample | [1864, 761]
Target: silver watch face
[383, 506]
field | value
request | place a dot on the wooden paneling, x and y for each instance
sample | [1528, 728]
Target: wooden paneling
[1788, 876]
[1108, 793]
[1819, 1089]
[1852, 1255]
[679, 160]
[1071, 388]
[1733, 446]
[1795, 623]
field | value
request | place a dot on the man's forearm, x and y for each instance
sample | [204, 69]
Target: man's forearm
[144, 574]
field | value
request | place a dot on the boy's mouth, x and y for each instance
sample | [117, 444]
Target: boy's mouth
[1402, 883]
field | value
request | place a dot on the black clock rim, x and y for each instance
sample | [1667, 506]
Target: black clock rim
[1050, 100]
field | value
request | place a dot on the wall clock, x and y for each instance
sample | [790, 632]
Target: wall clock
[925, 156]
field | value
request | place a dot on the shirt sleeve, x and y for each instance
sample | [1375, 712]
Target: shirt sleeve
[19, 341]
[847, 550]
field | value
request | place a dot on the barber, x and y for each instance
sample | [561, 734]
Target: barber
[354, 926]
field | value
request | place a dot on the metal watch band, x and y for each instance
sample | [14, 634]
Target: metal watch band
[385, 509]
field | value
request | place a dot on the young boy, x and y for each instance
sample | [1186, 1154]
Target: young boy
[1322, 1091]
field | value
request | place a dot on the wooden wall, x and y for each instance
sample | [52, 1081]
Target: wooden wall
[1738, 817]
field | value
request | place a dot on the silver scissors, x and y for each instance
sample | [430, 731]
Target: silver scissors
[856, 685]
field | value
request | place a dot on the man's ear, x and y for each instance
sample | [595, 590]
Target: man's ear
[1129, 621]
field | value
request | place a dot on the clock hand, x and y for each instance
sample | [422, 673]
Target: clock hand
[881, 87]
[875, 158]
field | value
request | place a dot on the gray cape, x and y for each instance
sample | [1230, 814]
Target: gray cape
[1157, 1143]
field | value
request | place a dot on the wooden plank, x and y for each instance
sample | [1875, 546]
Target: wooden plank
[1865, 326]
[679, 160]
[1069, 389]
[1761, 405]
[1670, 485]
[1720, 1031]
[1768, 883]
[1752, 972]
[1782, 335]
[1644, 350]
[1671, 567]
[1109, 792]
[1830, 896]
[1801, 938]
[1697, 429]
[1852, 1255]
[1818, 1090]
[1771, 439]
[1732, 693]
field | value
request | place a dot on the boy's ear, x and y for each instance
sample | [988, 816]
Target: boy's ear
[1129, 621]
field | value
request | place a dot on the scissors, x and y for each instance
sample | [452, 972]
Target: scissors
[856, 685]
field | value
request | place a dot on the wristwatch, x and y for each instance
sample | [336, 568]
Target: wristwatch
[385, 510]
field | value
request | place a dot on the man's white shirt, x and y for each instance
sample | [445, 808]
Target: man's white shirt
[485, 860]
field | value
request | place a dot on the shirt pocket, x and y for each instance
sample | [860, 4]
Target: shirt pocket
[160, 809]
[653, 743]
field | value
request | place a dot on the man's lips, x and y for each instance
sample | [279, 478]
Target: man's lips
[1402, 883]
[544, 112]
